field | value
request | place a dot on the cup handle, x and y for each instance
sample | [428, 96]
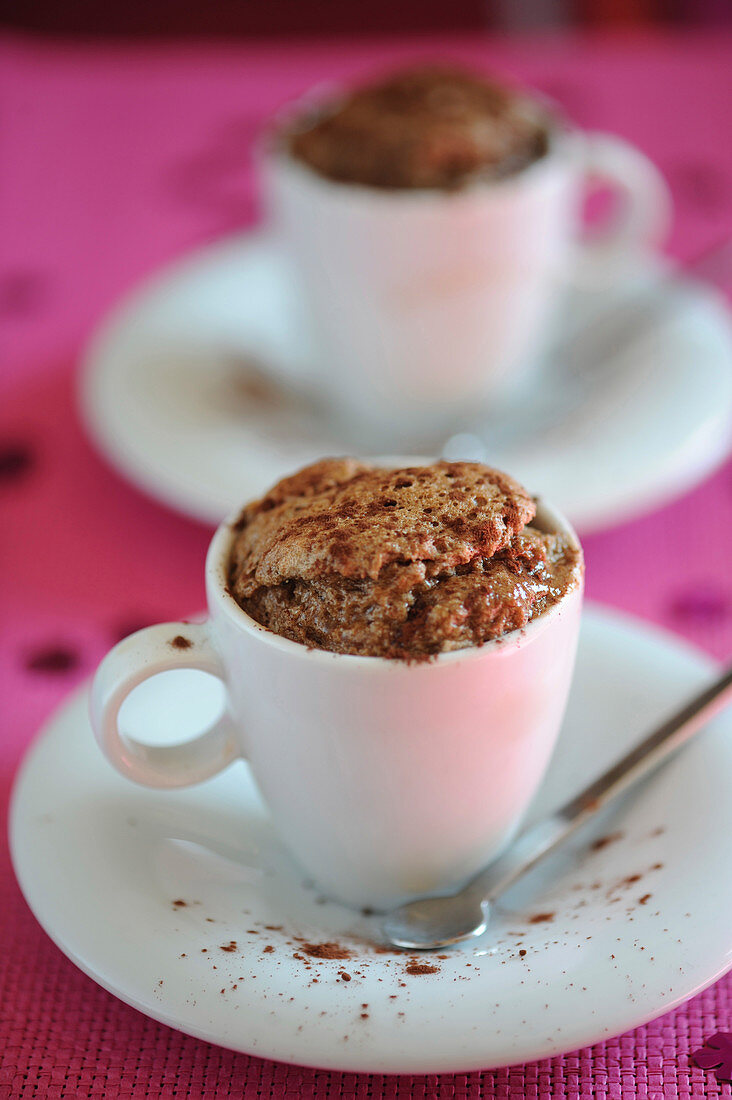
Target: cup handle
[142, 655]
[643, 215]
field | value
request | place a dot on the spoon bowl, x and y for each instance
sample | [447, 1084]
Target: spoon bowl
[437, 922]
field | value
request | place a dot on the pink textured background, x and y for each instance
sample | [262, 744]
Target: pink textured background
[114, 160]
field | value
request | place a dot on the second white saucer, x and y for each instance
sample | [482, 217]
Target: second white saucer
[190, 389]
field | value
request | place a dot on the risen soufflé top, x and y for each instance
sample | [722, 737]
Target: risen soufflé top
[403, 563]
[431, 126]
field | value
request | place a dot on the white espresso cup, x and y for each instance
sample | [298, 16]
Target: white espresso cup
[428, 305]
[386, 779]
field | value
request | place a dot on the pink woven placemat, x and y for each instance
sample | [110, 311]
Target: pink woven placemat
[116, 159]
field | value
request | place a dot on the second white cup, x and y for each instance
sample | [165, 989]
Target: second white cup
[427, 305]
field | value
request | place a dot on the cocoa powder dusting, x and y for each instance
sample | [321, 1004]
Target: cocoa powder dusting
[327, 950]
[179, 642]
[541, 918]
[603, 841]
[421, 968]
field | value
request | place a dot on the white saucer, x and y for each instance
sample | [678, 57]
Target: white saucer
[101, 863]
[176, 394]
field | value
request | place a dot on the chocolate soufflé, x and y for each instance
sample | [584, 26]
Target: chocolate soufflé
[401, 563]
[431, 126]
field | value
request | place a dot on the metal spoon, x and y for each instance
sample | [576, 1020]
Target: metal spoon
[439, 922]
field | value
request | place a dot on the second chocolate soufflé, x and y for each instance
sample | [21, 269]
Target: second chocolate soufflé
[426, 126]
[403, 563]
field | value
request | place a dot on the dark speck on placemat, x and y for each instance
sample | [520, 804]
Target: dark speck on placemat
[16, 460]
[54, 659]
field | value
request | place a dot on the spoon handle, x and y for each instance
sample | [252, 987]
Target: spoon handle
[537, 841]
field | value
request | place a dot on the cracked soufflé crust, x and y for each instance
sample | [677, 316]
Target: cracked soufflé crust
[402, 563]
[426, 126]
